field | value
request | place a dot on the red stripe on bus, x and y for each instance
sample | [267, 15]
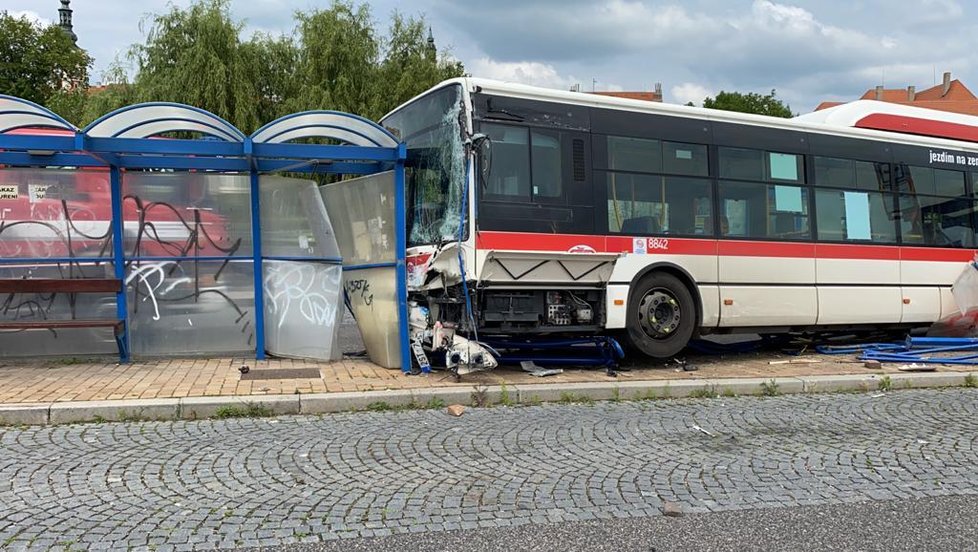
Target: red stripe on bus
[914, 125]
[931, 254]
[526, 241]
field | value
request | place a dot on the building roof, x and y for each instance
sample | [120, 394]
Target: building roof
[646, 96]
[950, 95]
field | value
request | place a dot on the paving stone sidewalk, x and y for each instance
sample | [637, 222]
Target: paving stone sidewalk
[61, 380]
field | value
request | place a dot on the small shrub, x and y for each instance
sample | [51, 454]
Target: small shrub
[885, 383]
[570, 398]
[378, 406]
[504, 398]
[480, 396]
[247, 410]
[770, 388]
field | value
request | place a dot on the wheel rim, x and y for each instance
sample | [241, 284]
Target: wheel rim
[659, 313]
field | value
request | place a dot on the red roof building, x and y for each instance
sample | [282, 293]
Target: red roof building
[950, 95]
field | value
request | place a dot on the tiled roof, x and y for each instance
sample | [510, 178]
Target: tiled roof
[647, 96]
[957, 100]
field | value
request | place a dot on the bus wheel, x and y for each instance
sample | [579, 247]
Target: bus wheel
[661, 316]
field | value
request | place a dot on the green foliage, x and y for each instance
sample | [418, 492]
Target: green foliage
[751, 102]
[885, 383]
[770, 388]
[379, 406]
[194, 56]
[334, 58]
[37, 62]
[504, 398]
[970, 381]
[247, 410]
[702, 393]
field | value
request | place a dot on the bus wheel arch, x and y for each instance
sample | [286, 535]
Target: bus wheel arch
[659, 323]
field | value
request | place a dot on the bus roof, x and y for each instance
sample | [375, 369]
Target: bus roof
[866, 119]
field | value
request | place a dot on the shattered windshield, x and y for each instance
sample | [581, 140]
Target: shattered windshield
[435, 168]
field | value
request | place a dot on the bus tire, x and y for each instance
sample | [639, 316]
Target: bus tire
[661, 316]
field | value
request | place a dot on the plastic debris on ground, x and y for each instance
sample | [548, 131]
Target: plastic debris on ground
[914, 351]
[539, 371]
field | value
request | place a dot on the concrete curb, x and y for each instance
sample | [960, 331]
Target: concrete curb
[191, 408]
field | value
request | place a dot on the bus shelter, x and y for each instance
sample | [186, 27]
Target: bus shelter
[186, 236]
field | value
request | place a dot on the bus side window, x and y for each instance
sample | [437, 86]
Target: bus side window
[509, 174]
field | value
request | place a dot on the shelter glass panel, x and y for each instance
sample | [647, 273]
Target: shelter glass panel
[55, 213]
[294, 222]
[184, 214]
[57, 306]
[191, 307]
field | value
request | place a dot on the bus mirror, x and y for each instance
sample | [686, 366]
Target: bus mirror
[482, 145]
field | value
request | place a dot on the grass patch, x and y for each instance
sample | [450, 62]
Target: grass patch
[702, 393]
[728, 393]
[435, 403]
[770, 388]
[504, 398]
[571, 398]
[616, 395]
[970, 381]
[480, 396]
[379, 406]
[246, 410]
[885, 383]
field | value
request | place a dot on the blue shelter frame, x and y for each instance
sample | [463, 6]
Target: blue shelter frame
[124, 140]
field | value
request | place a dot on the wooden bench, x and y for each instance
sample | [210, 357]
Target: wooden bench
[11, 286]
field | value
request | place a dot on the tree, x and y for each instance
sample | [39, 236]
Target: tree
[338, 54]
[194, 56]
[410, 65]
[38, 62]
[749, 103]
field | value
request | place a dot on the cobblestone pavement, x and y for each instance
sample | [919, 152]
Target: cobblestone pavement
[264, 482]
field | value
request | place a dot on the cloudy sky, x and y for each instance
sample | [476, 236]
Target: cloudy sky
[809, 50]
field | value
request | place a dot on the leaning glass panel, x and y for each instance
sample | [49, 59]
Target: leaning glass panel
[191, 307]
[756, 210]
[855, 216]
[55, 213]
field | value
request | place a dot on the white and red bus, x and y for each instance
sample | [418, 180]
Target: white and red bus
[535, 211]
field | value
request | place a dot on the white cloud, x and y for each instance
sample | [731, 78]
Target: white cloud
[31, 16]
[689, 92]
[524, 72]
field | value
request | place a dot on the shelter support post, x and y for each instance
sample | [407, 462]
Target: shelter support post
[259, 273]
[119, 261]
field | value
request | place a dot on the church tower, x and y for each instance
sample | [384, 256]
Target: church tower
[65, 20]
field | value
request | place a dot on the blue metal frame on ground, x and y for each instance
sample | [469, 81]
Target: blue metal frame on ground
[127, 139]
